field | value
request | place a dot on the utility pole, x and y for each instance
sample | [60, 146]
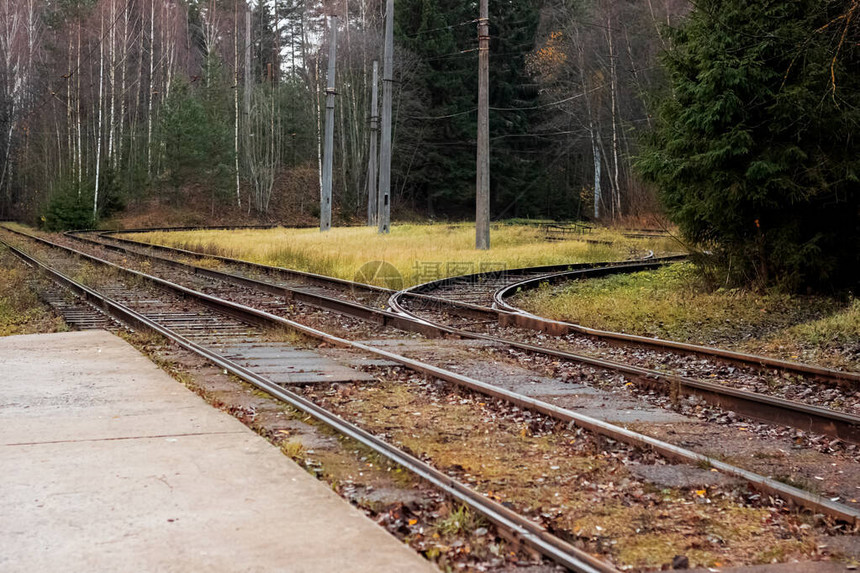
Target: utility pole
[482, 187]
[374, 136]
[385, 152]
[325, 196]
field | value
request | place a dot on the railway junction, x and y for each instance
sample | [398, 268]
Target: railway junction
[589, 450]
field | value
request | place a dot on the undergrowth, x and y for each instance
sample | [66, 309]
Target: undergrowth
[21, 311]
[675, 303]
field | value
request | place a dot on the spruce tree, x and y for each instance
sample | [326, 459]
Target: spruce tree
[441, 35]
[755, 152]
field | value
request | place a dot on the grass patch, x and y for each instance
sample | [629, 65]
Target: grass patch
[420, 253]
[21, 310]
[461, 520]
[673, 303]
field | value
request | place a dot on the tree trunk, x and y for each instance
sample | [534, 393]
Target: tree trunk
[99, 125]
[247, 95]
[236, 101]
[613, 81]
[70, 139]
[122, 84]
[151, 87]
[112, 81]
[592, 128]
[78, 109]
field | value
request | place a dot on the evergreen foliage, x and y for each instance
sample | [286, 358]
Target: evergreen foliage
[160, 97]
[195, 137]
[441, 165]
[68, 209]
[755, 152]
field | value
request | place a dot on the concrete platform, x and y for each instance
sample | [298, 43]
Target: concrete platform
[108, 464]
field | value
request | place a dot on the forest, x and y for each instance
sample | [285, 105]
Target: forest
[737, 120]
[108, 104]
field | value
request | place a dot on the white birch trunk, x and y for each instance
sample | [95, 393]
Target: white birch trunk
[613, 81]
[122, 85]
[112, 82]
[78, 111]
[151, 86]
[70, 140]
[236, 101]
[99, 124]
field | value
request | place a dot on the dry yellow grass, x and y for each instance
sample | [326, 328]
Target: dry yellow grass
[21, 311]
[419, 252]
[673, 303]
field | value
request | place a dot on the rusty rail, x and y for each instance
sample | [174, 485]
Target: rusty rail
[799, 497]
[750, 404]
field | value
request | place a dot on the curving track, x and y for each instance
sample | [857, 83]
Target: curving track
[264, 317]
[437, 316]
[236, 322]
[180, 314]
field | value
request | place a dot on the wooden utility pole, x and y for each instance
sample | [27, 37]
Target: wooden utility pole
[374, 136]
[482, 190]
[384, 197]
[328, 151]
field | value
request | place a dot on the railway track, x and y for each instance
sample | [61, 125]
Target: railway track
[560, 328]
[226, 337]
[486, 296]
[747, 388]
[844, 425]
[231, 337]
[524, 401]
[479, 299]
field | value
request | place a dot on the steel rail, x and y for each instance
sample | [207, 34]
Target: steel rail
[508, 315]
[312, 278]
[750, 404]
[514, 316]
[519, 527]
[547, 270]
[419, 291]
[330, 282]
[333, 282]
[767, 485]
[342, 283]
[360, 311]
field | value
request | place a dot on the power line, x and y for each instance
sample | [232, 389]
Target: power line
[449, 27]
[450, 55]
[541, 106]
[550, 104]
[432, 117]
